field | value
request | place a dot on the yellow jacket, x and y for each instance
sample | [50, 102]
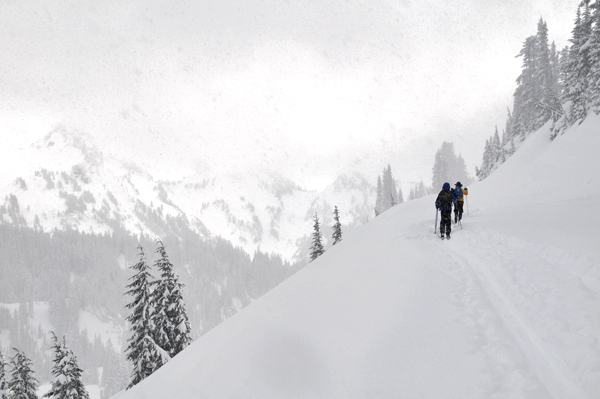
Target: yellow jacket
[465, 192]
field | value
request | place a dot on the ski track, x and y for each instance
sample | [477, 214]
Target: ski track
[510, 376]
[516, 291]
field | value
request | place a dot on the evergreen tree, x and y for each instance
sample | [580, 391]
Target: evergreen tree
[142, 351]
[389, 188]
[440, 166]
[379, 200]
[555, 69]
[67, 382]
[22, 384]
[563, 72]
[400, 197]
[337, 227]
[171, 324]
[486, 164]
[526, 97]
[496, 147]
[316, 249]
[3, 381]
[594, 73]
[448, 166]
[578, 67]
[387, 195]
[545, 78]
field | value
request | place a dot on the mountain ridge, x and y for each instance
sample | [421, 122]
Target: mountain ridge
[65, 182]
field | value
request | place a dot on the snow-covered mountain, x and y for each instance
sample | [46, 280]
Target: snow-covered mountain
[65, 181]
[508, 308]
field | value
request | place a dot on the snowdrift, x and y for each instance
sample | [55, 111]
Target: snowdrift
[508, 308]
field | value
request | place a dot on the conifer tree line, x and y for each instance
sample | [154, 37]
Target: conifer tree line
[160, 328]
[557, 86]
[447, 166]
[387, 194]
[64, 273]
[337, 226]
[419, 190]
[22, 384]
[317, 249]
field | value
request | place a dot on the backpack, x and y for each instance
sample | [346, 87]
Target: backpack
[445, 200]
[459, 192]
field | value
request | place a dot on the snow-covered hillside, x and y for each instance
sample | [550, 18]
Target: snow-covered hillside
[65, 181]
[508, 308]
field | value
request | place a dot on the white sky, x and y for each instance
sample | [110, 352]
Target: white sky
[310, 88]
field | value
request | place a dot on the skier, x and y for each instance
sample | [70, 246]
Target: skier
[444, 203]
[459, 193]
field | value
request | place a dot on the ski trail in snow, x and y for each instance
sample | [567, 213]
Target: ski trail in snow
[510, 376]
[549, 365]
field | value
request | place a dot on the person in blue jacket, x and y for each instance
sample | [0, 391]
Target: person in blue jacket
[443, 203]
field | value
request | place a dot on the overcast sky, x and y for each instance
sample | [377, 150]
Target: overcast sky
[311, 88]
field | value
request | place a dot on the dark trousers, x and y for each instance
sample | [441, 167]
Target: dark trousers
[446, 223]
[458, 209]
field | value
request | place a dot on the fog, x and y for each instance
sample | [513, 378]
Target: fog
[310, 89]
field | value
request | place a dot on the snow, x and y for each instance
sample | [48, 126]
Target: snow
[508, 308]
[93, 390]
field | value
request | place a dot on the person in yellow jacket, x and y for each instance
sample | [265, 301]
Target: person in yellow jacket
[460, 193]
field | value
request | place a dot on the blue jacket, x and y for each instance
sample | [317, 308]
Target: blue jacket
[445, 199]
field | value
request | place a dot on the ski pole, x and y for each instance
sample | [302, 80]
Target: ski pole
[435, 225]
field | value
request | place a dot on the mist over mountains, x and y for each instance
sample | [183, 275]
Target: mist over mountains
[69, 183]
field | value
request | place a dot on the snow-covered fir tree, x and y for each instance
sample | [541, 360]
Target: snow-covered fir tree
[496, 147]
[142, 351]
[400, 196]
[555, 76]
[448, 167]
[526, 97]
[594, 54]
[337, 226]
[486, 166]
[170, 320]
[578, 68]
[418, 191]
[389, 188]
[3, 379]
[379, 198]
[316, 248]
[440, 167]
[563, 68]
[22, 383]
[66, 382]
[387, 195]
[546, 79]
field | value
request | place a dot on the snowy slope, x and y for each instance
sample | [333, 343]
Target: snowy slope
[66, 181]
[509, 308]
